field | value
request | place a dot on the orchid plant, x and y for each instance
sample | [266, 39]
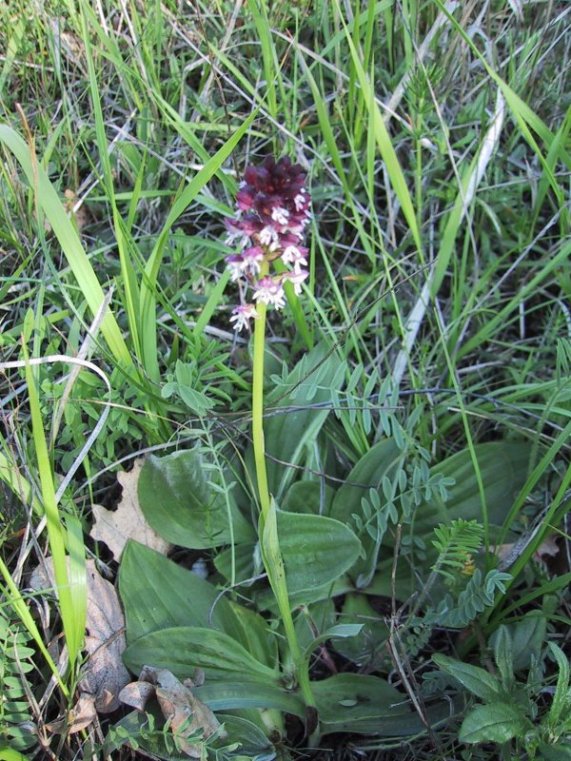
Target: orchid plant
[273, 212]
[312, 646]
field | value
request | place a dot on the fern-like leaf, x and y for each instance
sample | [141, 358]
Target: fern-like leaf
[456, 542]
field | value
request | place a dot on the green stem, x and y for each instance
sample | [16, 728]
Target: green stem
[275, 572]
[258, 410]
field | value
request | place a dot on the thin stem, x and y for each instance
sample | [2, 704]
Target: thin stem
[272, 555]
[258, 409]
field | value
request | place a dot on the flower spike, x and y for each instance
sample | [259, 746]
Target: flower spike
[273, 209]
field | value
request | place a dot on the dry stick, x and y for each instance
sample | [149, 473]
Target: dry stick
[416, 316]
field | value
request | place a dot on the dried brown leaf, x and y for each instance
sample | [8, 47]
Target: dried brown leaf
[82, 714]
[184, 713]
[137, 694]
[104, 674]
[115, 527]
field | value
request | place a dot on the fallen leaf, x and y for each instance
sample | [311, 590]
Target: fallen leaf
[115, 527]
[103, 674]
[185, 714]
[137, 694]
[82, 714]
[508, 553]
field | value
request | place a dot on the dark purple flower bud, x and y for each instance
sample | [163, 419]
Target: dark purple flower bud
[273, 211]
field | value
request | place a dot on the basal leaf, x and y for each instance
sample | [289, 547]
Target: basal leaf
[183, 649]
[528, 637]
[316, 550]
[179, 504]
[503, 468]
[495, 722]
[232, 694]
[367, 474]
[159, 594]
[368, 705]
[310, 497]
[475, 679]
[298, 411]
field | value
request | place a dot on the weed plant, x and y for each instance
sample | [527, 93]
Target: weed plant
[366, 499]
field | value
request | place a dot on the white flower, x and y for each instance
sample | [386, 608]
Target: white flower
[244, 240]
[242, 315]
[292, 255]
[271, 292]
[300, 200]
[268, 236]
[280, 215]
[235, 264]
[296, 278]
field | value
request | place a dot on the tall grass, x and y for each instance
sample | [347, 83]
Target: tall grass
[436, 138]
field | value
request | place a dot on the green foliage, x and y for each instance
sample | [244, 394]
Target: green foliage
[183, 505]
[510, 710]
[417, 415]
[15, 664]
[456, 544]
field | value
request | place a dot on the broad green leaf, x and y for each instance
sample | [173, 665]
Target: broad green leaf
[475, 679]
[495, 722]
[561, 703]
[554, 752]
[369, 645]
[183, 649]
[528, 637]
[503, 655]
[296, 411]
[253, 632]
[7, 754]
[158, 594]
[177, 501]
[377, 464]
[367, 474]
[253, 741]
[243, 562]
[232, 694]
[316, 550]
[310, 497]
[368, 705]
[503, 468]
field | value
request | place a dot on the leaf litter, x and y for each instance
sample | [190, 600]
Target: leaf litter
[115, 527]
[187, 717]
